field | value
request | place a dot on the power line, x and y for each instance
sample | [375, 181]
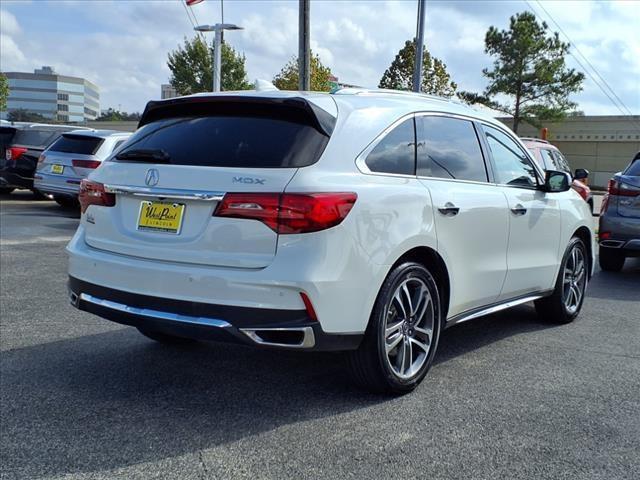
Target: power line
[621, 107]
[193, 24]
[584, 57]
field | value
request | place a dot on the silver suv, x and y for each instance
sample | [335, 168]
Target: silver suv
[619, 231]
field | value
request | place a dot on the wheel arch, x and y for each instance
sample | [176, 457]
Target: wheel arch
[584, 234]
[434, 262]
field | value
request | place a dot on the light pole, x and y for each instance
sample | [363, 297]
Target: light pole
[417, 67]
[217, 47]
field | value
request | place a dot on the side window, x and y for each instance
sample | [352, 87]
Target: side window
[117, 145]
[396, 153]
[512, 165]
[449, 148]
[549, 161]
[561, 162]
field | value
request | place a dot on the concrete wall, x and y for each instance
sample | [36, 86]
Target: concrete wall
[601, 144]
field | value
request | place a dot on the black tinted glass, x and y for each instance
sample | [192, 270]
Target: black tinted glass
[230, 141]
[396, 153]
[512, 165]
[6, 135]
[449, 148]
[34, 138]
[81, 144]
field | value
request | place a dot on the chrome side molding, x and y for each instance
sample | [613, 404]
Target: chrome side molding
[150, 313]
[470, 315]
[172, 193]
[308, 338]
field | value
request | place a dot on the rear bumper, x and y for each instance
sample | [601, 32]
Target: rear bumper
[624, 233]
[57, 184]
[271, 328]
[9, 178]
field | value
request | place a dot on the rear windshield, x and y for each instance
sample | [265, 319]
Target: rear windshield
[231, 141]
[633, 169]
[34, 138]
[80, 144]
[6, 134]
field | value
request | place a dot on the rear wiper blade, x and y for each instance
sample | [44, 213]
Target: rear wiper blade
[145, 155]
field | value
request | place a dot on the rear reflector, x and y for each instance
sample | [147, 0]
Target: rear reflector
[86, 163]
[93, 193]
[309, 307]
[289, 213]
[14, 153]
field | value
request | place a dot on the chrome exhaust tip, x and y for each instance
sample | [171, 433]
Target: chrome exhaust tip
[73, 299]
[295, 337]
[612, 243]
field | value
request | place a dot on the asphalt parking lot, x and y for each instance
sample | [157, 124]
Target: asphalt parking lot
[508, 396]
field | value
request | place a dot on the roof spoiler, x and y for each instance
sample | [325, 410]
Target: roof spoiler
[296, 109]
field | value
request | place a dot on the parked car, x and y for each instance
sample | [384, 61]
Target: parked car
[7, 132]
[22, 154]
[70, 158]
[619, 230]
[365, 221]
[549, 157]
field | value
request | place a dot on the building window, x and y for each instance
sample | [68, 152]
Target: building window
[63, 96]
[63, 108]
[88, 111]
[63, 118]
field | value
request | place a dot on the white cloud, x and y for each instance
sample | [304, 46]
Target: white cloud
[8, 23]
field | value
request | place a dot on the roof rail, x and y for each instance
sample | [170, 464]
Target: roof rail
[373, 91]
[533, 139]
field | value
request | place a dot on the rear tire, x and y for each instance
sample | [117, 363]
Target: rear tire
[165, 338]
[402, 336]
[66, 202]
[564, 305]
[610, 260]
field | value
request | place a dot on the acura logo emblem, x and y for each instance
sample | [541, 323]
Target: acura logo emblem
[152, 177]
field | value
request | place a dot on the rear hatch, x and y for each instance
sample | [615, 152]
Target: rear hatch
[627, 191]
[187, 154]
[71, 155]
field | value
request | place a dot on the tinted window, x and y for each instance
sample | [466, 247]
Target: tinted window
[396, 152]
[449, 148]
[549, 162]
[512, 165]
[34, 138]
[560, 162]
[117, 145]
[81, 144]
[633, 169]
[231, 141]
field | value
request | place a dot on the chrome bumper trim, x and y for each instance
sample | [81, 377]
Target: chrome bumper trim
[176, 194]
[147, 312]
[308, 338]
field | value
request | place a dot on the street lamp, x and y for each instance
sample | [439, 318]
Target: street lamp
[217, 45]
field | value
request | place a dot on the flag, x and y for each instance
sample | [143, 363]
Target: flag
[191, 3]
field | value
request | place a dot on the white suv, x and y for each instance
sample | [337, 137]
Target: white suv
[365, 221]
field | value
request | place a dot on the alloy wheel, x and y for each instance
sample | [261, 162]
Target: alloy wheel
[574, 279]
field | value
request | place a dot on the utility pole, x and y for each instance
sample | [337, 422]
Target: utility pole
[217, 48]
[417, 67]
[304, 49]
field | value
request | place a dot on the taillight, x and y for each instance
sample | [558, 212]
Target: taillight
[93, 193]
[622, 189]
[14, 153]
[288, 213]
[86, 163]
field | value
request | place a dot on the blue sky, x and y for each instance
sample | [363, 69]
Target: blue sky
[122, 45]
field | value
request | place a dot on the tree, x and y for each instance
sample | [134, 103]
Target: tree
[22, 115]
[4, 92]
[435, 78]
[529, 69]
[287, 79]
[112, 115]
[192, 69]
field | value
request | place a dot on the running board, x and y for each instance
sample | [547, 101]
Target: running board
[496, 307]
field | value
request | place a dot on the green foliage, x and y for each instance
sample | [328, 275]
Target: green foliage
[435, 79]
[23, 115]
[112, 115]
[191, 68]
[4, 92]
[287, 79]
[529, 70]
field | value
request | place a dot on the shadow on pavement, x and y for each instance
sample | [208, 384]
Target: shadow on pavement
[114, 399]
[627, 283]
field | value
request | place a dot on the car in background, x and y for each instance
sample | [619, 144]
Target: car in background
[7, 132]
[72, 157]
[21, 155]
[619, 232]
[549, 157]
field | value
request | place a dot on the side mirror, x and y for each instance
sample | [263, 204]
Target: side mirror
[581, 174]
[555, 181]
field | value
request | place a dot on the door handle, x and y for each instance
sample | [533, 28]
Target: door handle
[449, 210]
[519, 210]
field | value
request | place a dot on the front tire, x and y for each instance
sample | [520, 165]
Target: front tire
[564, 305]
[610, 260]
[402, 336]
[165, 338]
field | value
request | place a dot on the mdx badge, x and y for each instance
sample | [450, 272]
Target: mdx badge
[249, 180]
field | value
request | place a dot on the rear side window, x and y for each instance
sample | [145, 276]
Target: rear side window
[231, 141]
[80, 144]
[34, 138]
[449, 148]
[396, 152]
